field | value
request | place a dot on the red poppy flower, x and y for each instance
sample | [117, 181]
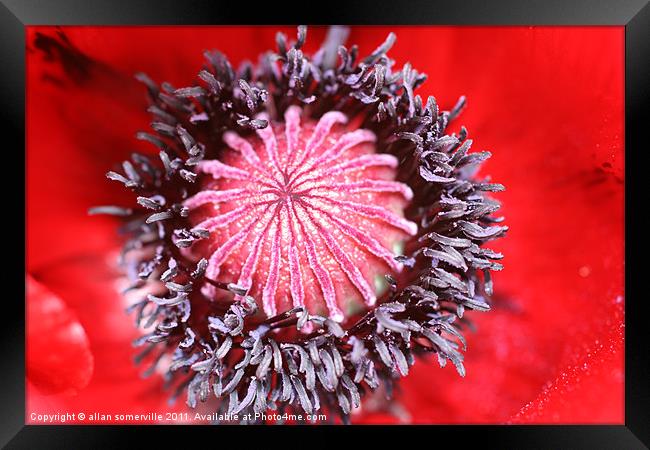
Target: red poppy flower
[546, 101]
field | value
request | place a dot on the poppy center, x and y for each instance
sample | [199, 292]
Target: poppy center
[303, 213]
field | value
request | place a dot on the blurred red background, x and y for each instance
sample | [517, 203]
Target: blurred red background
[546, 101]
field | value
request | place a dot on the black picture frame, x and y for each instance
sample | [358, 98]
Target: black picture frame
[15, 15]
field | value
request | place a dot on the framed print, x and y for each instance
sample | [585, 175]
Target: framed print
[416, 215]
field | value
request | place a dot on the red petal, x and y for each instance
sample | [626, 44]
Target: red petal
[590, 389]
[91, 286]
[76, 132]
[58, 352]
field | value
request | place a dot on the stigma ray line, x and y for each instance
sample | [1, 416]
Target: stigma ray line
[370, 211]
[358, 163]
[296, 286]
[220, 255]
[321, 131]
[353, 273]
[363, 239]
[236, 142]
[376, 186]
[321, 274]
[218, 170]
[344, 143]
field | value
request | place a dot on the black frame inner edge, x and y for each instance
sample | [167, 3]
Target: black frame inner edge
[633, 14]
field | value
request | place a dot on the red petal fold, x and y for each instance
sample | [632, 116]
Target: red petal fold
[58, 351]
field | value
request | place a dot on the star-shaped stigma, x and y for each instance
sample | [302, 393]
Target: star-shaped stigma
[303, 214]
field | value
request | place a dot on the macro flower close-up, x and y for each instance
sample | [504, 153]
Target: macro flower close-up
[365, 224]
